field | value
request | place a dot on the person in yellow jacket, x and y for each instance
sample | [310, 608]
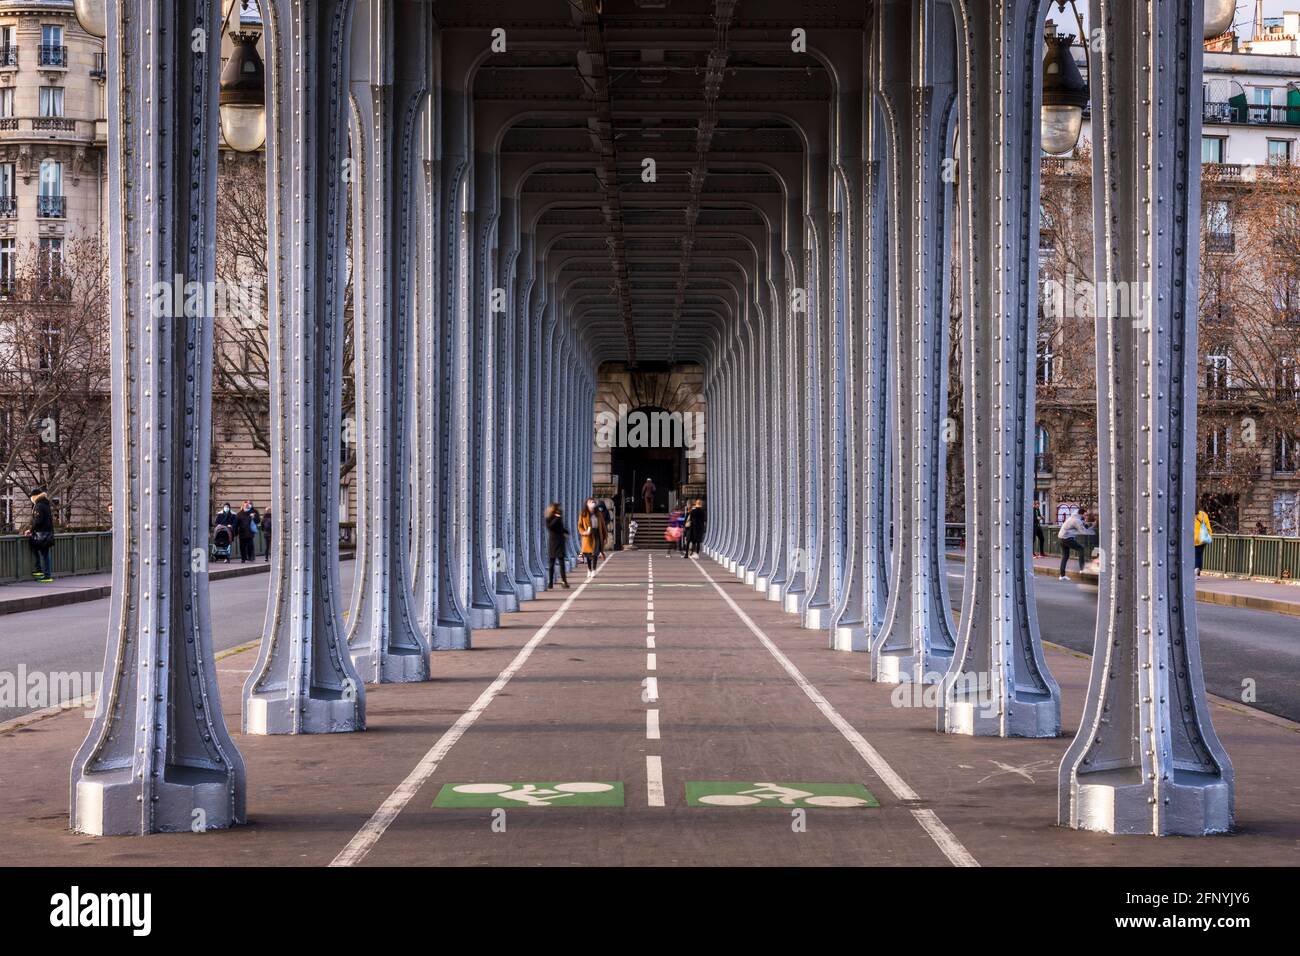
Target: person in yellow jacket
[591, 531]
[1201, 536]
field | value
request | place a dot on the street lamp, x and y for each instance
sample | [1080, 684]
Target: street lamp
[243, 96]
[1065, 93]
[1218, 16]
[93, 16]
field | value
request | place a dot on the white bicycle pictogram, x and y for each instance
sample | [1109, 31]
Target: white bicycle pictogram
[531, 794]
[786, 796]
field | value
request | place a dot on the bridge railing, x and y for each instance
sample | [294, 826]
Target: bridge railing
[81, 552]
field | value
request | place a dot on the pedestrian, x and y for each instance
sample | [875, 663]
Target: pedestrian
[1040, 538]
[1071, 528]
[556, 533]
[40, 534]
[591, 529]
[676, 529]
[226, 518]
[246, 529]
[1201, 536]
[648, 496]
[266, 533]
[694, 529]
[604, 514]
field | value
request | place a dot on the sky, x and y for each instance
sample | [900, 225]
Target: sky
[1243, 23]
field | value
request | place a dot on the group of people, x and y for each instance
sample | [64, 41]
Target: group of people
[1075, 530]
[593, 533]
[243, 526]
[685, 531]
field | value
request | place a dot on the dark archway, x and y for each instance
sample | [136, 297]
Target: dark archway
[651, 443]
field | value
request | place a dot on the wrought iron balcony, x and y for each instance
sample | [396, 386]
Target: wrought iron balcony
[1249, 114]
[1220, 242]
[8, 56]
[53, 55]
[57, 123]
[51, 207]
[1043, 463]
[8, 207]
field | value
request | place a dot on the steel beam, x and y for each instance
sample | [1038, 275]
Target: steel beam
[157, 756]
[1146, 758]
[998, 683]
[303, 680]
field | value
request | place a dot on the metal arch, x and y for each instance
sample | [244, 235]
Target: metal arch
[1146, 758]
[916, 640]
[157, 756]
[303, 680]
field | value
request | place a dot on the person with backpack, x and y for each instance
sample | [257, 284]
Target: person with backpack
[1201, 536]
[40, 534]
[1072, 528]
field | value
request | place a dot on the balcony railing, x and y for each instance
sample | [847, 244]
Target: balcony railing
[51, 207]
[100, 68]
[8, 56]
[59, 124]
[8, 207]
[53, 55]
[8, 122]
[1249, 114]
[1220, 242]
[1043, 463]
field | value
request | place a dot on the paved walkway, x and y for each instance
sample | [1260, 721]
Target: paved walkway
[21, 596]
[677, 684]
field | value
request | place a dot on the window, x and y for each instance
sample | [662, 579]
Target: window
[8, 52]
[1286, 452]
[50, 265]
[1042, 451]
[50, 197]
[7, 102]
[1217, 375]
[1212, 148]
[8, 265]
[1279, 152]
[1287, 377]
[51, 101]
[1261, 104]
[51, 34]
[1218, 226]
[1046, 361]
[52, 52]
[1216, 447]
[8, 198]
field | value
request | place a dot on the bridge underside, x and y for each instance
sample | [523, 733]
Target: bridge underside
[773, 191]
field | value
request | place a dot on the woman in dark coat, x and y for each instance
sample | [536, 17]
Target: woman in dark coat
[694, 528]
[557, 532]
[40, 534]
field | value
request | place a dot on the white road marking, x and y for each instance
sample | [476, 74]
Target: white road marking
[649, 640]
[649, 628]
[366, 838]
[649, 615]
[652, 725]
[651, 689]
[957, 854]
[654, 772]
[650, 662]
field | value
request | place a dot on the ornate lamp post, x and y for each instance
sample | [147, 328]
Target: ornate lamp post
[1218, 16]
[1065, 94]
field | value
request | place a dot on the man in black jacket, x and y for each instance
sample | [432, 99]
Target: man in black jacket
[40, 534]
[246, 528]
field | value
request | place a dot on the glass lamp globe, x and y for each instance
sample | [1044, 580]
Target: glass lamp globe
[244, 126]
[1218, 16]
[1061, 126]
[93, 16]
[243, 96]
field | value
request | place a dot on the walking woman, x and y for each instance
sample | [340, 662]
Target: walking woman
[694, 529]
[591, 529]
[557, 532]
[1201, 536]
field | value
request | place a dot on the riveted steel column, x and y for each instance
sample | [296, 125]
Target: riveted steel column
[426, 378]
[1146, 758]
[158, 756]
[388, 83]
[998, 683]
[772, 575]
[303, 680]
[916, 640]
[796, 338]
[451, 629]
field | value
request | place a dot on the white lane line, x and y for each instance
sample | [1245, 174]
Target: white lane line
[649, 615]
[650, 662]
[652, 690]
[649, 628]
[652, 725]
[366, 838]
[650, 605]
[654, 772]
[649, 640]
[952, 848]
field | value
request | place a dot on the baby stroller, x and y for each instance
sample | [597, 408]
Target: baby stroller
[222, 542]
[673, 533]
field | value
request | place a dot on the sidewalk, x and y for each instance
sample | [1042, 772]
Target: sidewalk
[1210, 589]
[75, 588]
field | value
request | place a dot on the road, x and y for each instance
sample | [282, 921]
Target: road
[1238, 646]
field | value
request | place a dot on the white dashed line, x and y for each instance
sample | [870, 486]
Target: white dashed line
[650, 662]
[652, 725]
[654, 772]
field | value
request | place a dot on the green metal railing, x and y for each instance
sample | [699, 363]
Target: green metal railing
[1240, 555]
[82, 552]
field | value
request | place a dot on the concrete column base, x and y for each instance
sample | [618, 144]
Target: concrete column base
[980, 718]
[109, 804]
[816, 618]
[336, 714]
[774, 592]
[482, 618]
[898, 669]
[450, 637]
[791, 603]
[750, 578]
[506, 603]
[760, 584]
[1119, 802]
[395, 667]
[850, 638]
